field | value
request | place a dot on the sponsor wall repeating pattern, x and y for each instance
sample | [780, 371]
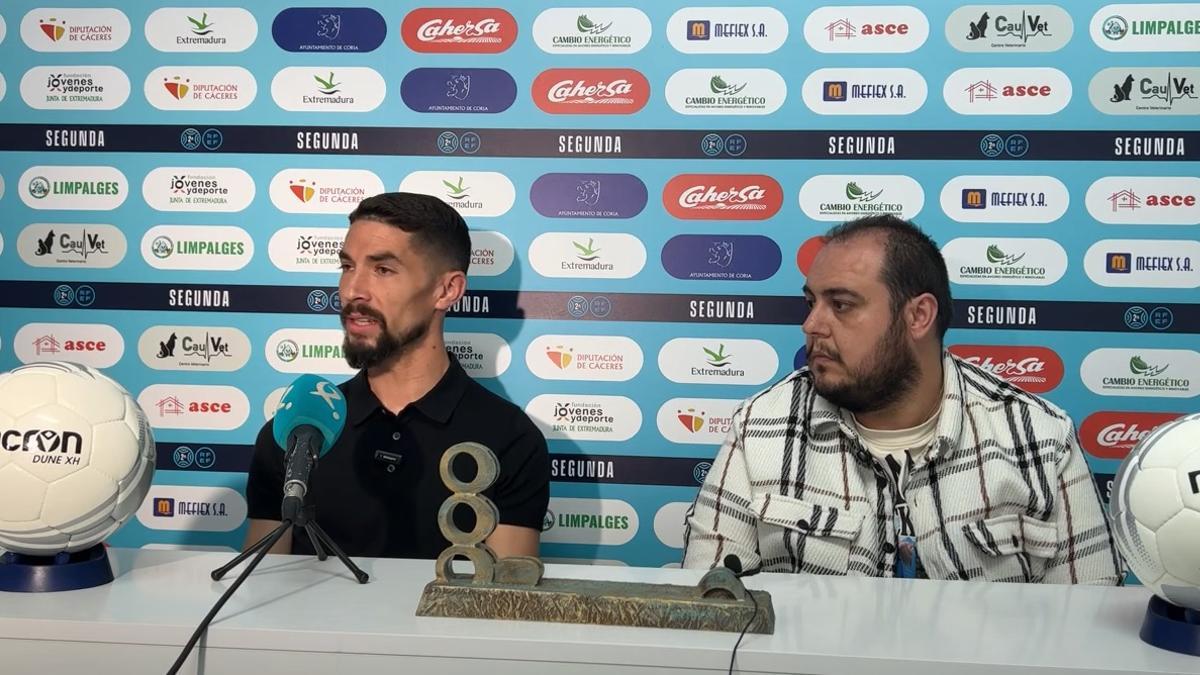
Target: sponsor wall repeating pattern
[645, 186]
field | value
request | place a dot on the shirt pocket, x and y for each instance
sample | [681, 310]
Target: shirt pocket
[799, 535]
[1012, 547]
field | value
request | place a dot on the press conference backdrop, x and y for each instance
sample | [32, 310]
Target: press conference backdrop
[644, 185]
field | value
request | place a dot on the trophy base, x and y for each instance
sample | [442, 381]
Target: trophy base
[612, 603]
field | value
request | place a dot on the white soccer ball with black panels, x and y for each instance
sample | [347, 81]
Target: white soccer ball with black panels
[76, 458]
[1156, 511]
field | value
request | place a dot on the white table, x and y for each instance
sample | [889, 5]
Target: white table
[297, 616]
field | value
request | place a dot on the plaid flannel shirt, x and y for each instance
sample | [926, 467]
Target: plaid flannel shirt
[1003, 494]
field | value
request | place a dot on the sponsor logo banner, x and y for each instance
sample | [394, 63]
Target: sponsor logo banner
[606, 358]
[603, 522]
[1034, 369]
[721, 257]
[200, 88]
[693, 196]
[590, 255]
[866, 30]
[328, 89]
[1113, 435]
[213, 348]
[207, 29]
[729, 91]
[462, 30]
[458, 90]
[1166, 373]
[91, 344]
[1005, 262]
[838, 198]
[1145, 200]
[1007, 91]
[192, 508]
[1144, 263]
[71, 245]
[1150, 27]
[591, 30]
[194, 406]
[329, 29]
[1009, 28]
[718, 361]
[588, 195]
[75, 29]
[75, 87]
[581, 417]
[727, 30]
[1146, 91]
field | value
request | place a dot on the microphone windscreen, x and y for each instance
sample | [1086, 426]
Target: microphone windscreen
[314, 401]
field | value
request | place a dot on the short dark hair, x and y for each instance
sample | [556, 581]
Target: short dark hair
[912, 262]
[434, 224]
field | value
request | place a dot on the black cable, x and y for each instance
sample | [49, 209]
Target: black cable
[191, 643]
[744, 629]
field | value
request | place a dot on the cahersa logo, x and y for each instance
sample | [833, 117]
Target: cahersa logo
[591, 91]
[1112, 435]
[462, 30]
[1034, 369]
[693, 196]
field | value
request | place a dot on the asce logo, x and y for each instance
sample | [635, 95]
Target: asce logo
[1145, 200]
[1007, 91]
[876, 29]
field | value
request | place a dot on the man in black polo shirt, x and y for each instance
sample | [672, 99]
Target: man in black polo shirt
[378, 490]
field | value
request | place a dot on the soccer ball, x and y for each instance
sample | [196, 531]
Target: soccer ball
[1156, 511]
[76, 458]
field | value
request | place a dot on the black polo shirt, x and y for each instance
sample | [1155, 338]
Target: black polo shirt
[370, 511]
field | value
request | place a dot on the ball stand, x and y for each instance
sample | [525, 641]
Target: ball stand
[64, 571]
[1171, 627]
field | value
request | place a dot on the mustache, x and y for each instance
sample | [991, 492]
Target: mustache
[364, 310]
[825, 352]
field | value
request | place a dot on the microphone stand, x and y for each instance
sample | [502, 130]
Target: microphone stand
[303, 516]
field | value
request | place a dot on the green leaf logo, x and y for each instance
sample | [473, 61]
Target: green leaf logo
[587, 253]
[202, 26]
[328, 86]
[458, 191]
[718, 359]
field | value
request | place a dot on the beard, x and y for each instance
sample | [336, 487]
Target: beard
[888, 374]
[387, 346]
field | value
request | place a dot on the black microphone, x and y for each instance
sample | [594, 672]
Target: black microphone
[734, 564]
[309, 419]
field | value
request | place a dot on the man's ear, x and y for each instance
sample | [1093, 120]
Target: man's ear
[449, 288]
[920, 315]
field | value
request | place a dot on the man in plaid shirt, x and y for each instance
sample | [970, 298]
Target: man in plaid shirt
[887, 456]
